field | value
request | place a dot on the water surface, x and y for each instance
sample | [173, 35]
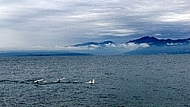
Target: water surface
[130, 81]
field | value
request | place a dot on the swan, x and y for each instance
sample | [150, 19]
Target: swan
[59, 80]
[91, 81]
[39, 81]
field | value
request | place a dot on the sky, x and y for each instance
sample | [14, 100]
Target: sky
[47, 24]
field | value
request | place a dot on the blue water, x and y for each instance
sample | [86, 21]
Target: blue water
[130, 81]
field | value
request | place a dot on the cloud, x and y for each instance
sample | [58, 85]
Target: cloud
[107, 49]
[45, 23]
[175, 17]
[73, 48]
[133, 46]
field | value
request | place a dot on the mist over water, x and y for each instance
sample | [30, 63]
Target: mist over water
[134, 81]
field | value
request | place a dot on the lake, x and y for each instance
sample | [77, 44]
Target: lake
[129, 81]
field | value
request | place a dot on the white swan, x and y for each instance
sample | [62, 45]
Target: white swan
[91, 81]
[59, 80]
[39, 81]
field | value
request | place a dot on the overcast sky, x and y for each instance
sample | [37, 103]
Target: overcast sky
[45, 24]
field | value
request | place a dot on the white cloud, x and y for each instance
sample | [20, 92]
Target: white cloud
[122, 31]
[119, 48]
[174, 44]
[175, 17]
[117, 32]
[102, 24]
[132, 46]
[74, 48]
[144, 45]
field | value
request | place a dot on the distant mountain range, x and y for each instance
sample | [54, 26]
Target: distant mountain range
[95, 44]
[142, 46]
[152, 41]
[161, 46]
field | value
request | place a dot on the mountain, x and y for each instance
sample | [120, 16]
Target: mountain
[152, 41]
[98, 48]
[160, 46]
[144, 45]
[96, 45]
